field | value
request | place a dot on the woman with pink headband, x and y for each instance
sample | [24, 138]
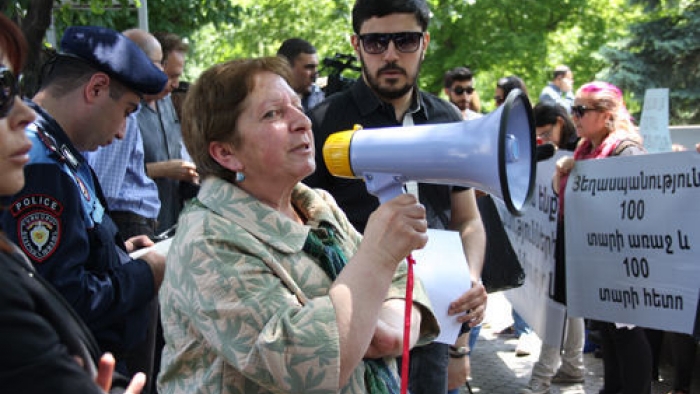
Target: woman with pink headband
[606, 129]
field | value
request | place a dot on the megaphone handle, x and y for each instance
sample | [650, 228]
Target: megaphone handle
[405, 361]
[384, 186]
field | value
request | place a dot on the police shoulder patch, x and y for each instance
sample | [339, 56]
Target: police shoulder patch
[38, 227]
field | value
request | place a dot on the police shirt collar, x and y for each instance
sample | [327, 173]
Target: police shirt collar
[54, 137]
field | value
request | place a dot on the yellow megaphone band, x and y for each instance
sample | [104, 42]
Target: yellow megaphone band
[336, 153]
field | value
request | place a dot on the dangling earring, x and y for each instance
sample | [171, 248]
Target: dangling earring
[240, 177]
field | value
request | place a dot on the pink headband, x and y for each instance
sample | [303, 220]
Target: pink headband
[595, 87]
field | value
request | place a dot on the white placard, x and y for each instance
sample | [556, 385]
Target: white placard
[654, 123]
[444, 272]
[533, 236]
[632, 240]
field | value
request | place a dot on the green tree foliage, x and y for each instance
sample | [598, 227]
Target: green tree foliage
[183, 17]
[528, 38]
[264, 24]
[661, 52]
[494, 37]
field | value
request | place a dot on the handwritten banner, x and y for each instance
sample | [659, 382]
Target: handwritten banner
[533, 236]
[633, 236]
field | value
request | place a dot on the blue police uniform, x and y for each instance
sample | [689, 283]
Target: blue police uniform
[59, 221]
[59, 218]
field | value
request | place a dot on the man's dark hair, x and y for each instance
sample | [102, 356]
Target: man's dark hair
[457, 74]
[511, 82]
[547, 113]
[367, 9]
[62, 74]
[171, 42]
[560, 71]
[293, 47]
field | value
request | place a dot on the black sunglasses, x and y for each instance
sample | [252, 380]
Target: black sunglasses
[580, 110]
[376, 43]
[499, 100]
[9, 89]
[460, 90]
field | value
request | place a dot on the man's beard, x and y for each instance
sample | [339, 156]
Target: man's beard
[390, 93]
[462, 105]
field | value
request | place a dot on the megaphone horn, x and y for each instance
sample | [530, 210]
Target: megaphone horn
[494, 153]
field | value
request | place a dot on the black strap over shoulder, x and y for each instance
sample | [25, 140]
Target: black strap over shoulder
[62, 153]
[624, 144]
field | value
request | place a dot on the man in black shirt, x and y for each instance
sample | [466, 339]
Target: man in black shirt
[390, 40]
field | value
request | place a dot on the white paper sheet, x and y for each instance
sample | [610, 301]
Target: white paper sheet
[443, 269]
[161, 247]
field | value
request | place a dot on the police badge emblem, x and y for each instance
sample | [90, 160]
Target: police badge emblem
[38, 225]
[39, 235]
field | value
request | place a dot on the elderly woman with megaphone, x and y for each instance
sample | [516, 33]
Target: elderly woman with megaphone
[269, 288]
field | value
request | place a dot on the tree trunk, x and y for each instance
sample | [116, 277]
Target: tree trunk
[34, 26]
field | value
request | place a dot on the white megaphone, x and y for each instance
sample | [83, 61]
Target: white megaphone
[495, 154]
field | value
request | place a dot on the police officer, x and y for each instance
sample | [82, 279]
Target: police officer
[59, 218]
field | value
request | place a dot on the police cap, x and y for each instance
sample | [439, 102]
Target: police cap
[111, 52]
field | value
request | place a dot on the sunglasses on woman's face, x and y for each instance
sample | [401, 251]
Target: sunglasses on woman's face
[376, 43]
[460, 90]
[545, 135]
[499, 100]
[9, 89]
[580, 110]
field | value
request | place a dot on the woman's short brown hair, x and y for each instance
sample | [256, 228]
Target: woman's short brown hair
[214, 104]
[12, 44]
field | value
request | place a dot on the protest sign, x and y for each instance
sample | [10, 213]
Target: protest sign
[632, 240]
[654, 123]
[533, 236]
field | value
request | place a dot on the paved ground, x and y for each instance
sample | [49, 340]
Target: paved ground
[496, 369]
